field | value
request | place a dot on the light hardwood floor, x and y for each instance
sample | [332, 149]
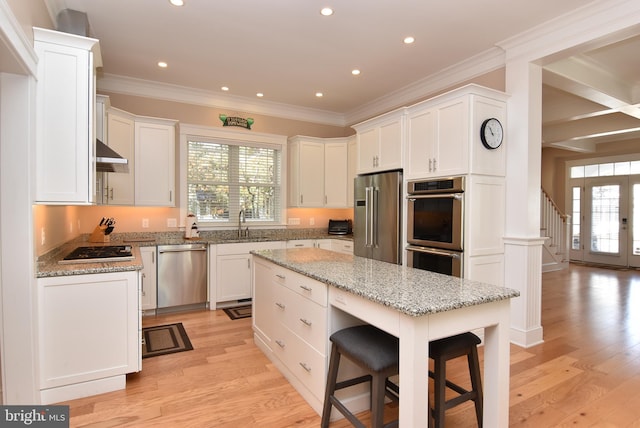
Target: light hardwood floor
[585, 374]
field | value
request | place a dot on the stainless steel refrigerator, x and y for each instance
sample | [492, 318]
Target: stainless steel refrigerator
[378, 216]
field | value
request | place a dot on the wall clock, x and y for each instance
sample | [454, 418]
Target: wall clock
[491, 133]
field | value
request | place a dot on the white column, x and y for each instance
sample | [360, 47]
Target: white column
[523, 245]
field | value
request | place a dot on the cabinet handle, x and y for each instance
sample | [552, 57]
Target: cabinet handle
[280, 276]
[435, 168]
[306, 367]
[325, 199]
[301, 199]
[170, 196]
[280, 343]
[142, 283]
[306, 288]
[298, 245]
[153, 258]
[112, 193]
[248, 263]
[306, 322]
[430, 165]
[280, 305]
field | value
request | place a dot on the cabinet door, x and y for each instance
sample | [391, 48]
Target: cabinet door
[311, 174]
[390, 145]
[155, 164]
[120, 186]
[233, 277]
[352, 168]
[453, 138]
[65, 103]
[149, 278]
[89, 327]
[422, 138]
[335, 175]
[368, 150]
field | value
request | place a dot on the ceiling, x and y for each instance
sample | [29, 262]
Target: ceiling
[288, 51]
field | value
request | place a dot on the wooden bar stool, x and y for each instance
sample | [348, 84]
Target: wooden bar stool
[443, 350]
[376, 352]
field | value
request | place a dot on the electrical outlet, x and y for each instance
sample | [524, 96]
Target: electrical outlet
[145, 223]
[42, 236]
[312, 221]
[172, 222]
[293, 221]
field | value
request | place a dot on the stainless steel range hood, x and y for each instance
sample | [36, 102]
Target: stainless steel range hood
[107, 160]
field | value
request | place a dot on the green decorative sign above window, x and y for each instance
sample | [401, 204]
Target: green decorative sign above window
[236, 121]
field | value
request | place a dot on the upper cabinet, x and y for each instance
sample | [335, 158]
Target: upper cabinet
[443, 134]
[155, 162]
[65, 115]
[318, 172]
[380, 142]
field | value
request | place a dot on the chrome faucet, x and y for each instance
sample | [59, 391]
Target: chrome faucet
[242, 219]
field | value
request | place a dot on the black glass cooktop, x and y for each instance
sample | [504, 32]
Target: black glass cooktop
[107, 253]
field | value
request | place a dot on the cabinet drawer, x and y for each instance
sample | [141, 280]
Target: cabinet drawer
[305, 286]
[305, 318]
[303, 361]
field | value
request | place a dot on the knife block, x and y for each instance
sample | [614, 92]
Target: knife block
[98, 235]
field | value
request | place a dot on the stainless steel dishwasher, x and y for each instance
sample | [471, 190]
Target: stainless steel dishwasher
[182, 276]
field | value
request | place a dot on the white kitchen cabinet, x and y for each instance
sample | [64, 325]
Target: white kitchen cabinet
[352, 168]
[335, 173]
[119, 187]
[318, 171]
[65, 115]
[309, 243]
[443, 134]
[342, 246]
[89, 333]
[149, 278]
[380, 142]
[291, 326]
[233, 269]
[155, 162]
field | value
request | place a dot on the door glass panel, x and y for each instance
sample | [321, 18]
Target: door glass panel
[635, 212]
[575, 217]
[605, 219]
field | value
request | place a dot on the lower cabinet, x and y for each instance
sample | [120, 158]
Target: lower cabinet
[339, 245]
[291, 326]
[90, 332]
[149, 278]
[233, 269]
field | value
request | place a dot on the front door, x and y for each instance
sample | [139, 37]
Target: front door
[611, 208]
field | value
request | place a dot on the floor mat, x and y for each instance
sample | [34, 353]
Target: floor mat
[238, 312]
[164, 339]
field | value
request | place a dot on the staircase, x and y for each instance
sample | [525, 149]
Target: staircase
[556, 227]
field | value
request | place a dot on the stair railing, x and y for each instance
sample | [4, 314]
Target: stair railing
[555, 225]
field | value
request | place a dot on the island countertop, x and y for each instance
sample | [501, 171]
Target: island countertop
[411, 291]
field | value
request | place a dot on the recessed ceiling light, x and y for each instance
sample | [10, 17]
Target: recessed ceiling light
[326, 11]
[408, 40]
[225, 88]
[319, 94]
[162, 64]
[259, 95]
[355, 72]
[177, 2]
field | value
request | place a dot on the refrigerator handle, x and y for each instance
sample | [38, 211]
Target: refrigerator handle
[367, 216]
[374, 217]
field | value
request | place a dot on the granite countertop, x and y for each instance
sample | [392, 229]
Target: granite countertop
[412, 291]
[48, 264]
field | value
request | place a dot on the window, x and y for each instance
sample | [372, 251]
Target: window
[225, 177]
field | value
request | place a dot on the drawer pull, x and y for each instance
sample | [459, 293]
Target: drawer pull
[280, 305]
[280, 343]
[280, 276]
[306, 322]
[306, 288]
[306, 367]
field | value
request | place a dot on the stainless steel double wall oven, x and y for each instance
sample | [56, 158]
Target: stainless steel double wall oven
[435, 225]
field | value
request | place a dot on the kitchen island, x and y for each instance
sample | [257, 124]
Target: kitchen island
[415, 305]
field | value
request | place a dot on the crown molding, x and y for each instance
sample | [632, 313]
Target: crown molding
[168, 92]
[485, 62]
[593, 25]
[16, 43]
